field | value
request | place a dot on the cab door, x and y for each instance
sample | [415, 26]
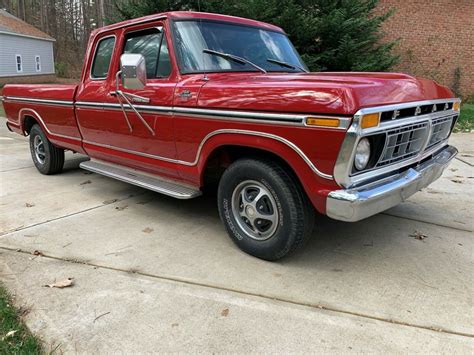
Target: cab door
[113, 134]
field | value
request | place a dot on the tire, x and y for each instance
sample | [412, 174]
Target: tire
[47, 158]
[287, 217]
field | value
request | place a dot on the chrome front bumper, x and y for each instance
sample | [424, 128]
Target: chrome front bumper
[352, 205]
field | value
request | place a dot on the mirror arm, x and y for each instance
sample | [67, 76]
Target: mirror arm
[123, 95]
[117, 93]
[145, 123]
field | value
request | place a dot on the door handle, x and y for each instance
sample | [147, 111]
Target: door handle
[133, 97]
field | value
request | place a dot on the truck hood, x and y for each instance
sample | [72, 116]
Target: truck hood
[324, 93]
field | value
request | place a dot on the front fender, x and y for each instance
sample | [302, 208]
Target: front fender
[316, 183]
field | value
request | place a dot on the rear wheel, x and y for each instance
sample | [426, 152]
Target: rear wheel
[265, 211]
[47, 158]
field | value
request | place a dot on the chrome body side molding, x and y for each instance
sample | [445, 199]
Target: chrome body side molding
[38, 116]
[214, 133]
[217, 114]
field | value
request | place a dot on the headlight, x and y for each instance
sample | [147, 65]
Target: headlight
[362, 154]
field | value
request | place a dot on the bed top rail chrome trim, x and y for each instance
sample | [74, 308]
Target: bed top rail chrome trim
[39, 101]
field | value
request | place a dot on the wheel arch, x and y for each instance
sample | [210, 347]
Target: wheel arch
[221, 150]
[28, 118]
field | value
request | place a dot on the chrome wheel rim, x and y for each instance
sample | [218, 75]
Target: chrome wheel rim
[255, 210]
[38, 146]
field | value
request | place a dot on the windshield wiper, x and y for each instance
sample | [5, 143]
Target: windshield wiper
[234, 58]
[287, 65]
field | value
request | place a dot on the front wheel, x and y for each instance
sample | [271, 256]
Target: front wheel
[265, 211]
[47, 158]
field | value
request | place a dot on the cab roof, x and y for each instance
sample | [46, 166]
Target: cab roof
[181, 15]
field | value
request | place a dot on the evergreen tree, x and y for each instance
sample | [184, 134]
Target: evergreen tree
[331, 35]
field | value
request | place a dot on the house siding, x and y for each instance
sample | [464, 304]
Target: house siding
[28, 48]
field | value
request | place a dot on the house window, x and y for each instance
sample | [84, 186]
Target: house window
[19, 64]
[38, 63]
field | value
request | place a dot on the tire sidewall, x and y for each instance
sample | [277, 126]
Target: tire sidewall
[281, 241]
[37, 131]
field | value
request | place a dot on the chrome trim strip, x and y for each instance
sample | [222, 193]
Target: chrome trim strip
[212, 134]
[38, 116]
[403, 105]
[240, 114]
[343, 167]
[39, 101]
[230, 115]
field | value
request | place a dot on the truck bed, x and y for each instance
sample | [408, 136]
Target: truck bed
[49, 105]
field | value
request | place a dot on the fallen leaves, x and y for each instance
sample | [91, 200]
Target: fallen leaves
[86, 182]
[62, 284]
[147, 230]
[37, 253]
[10, 334]
[457, 180]
[29, 205]
[121, 208]
[225, 312]
[108, 202]
[419, 235]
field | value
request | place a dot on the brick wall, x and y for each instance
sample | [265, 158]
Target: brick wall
[436, 38]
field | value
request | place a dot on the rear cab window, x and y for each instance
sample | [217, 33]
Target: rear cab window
[102, 58]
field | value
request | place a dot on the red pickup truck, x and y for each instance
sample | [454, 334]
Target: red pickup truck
[177, 101]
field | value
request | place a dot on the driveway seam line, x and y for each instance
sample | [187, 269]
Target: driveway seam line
[3, 234]
[427, 222]
[253, 294]
[15, 169]
[464, 161]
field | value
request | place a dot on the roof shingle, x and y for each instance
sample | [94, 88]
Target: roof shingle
[12, 24]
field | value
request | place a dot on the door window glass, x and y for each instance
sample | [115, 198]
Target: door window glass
[152, 45]
[103, 55]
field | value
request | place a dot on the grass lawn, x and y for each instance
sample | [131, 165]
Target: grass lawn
[466, 121]
[2, 111]
[21, 342]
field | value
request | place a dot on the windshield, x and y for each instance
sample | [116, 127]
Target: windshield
[253, 44]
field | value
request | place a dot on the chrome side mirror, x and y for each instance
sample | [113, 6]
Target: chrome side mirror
[133, 70]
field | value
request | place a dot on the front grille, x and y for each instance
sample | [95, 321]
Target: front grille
[415, 111]
[403, 143]
[440, 131]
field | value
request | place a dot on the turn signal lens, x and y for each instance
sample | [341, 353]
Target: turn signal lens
[322, 121]
[370, 120]
[456, 106]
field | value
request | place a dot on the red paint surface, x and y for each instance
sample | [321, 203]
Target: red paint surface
[178, 137]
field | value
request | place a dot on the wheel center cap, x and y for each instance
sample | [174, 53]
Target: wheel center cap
[250, 211]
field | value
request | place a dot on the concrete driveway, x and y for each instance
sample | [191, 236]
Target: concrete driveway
[157, 274]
